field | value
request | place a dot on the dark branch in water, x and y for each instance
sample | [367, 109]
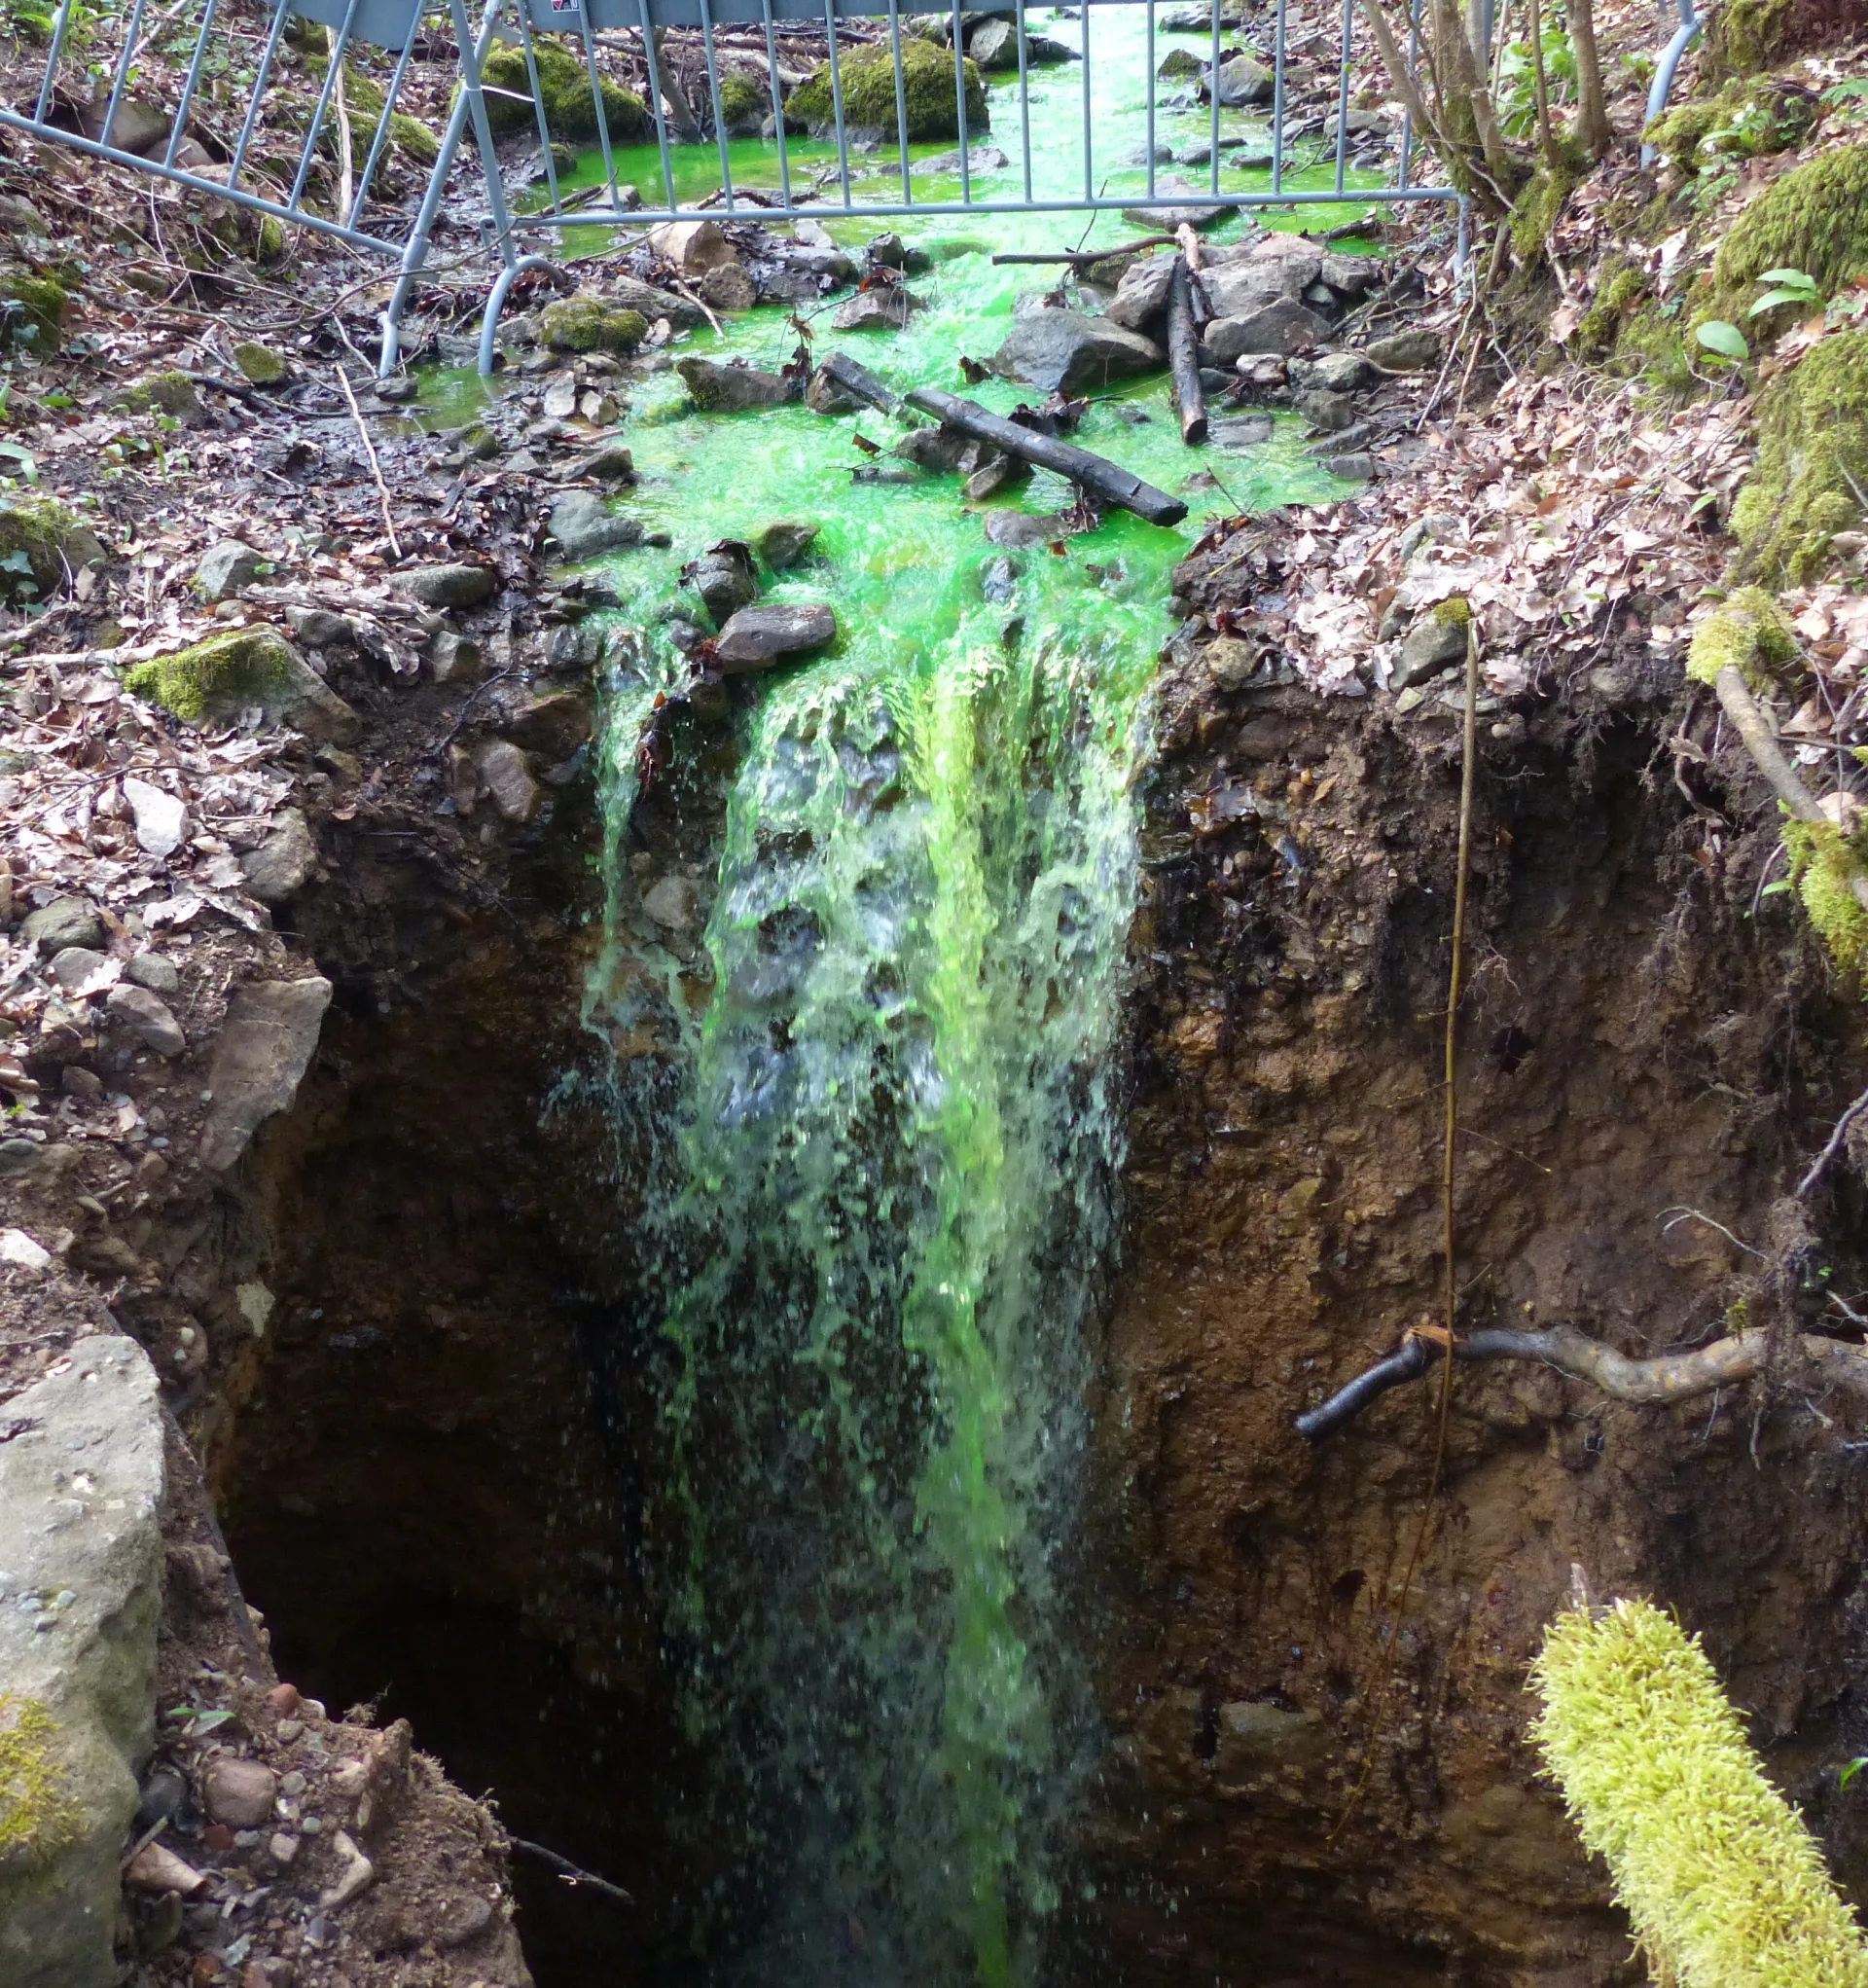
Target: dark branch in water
[1668, 1377]
[571, 1873]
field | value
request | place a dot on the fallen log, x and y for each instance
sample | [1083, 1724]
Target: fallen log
[1668, 1377]
[1183, 358]
[1095, 474]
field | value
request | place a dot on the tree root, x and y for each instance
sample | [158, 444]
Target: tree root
[1668, 1377]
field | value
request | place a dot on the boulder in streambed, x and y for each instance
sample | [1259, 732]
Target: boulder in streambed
[1240, 431]
[693, 247]
[1018, 529]
[724, 576]
[584, 526]
[787, 541]
[827, 395]
[589, 324]
[1142, 296]
[729, 288]
[718, 389]
[458, 586]
[883, 309]
[1283, 325]
[627, 293]
[1063, 351]
[757, 636]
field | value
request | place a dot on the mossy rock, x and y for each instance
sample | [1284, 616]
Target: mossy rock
[586, 324]
[1813, 219]
[1621, 286]
[867, 78]
[241, 670]
[1177, 63]
[1824, 866]
[41, 543]
[1747, 120]
[260, 365]
[1747, 632]
[32, 311]
[363, 99]
[564, 89]
[1812, 457]
[742, 104]
[1745, 36]
[1652, 344]
[162, 393]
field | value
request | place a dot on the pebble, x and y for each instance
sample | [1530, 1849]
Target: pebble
[78, 1082]
[238, 1792]
[457, 586]
[288, 1729]
[155, 971]
[312, 1826]
[138, 1010]
[292, 1784]
[65, 922]
[283, 1848]
[162, 820]
[283, 1698]
[72, 965]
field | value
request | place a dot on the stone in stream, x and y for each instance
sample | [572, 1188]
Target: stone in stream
[1356, 465]
[1179, 65]
[584, 526]
[1241, 81]
[1332, 373]
[980, 159]
[1065, 351]
[994, 44]
[1162, 220]
[787, 541]
[611, 462]
[693, 247]
[728, 389]
[942, 450]
[1283, 326]
[758, 635]
[1235, 288]
[1329, 413]
[81, 1493]
[883, 309]
[145, 1016]
[627, 293]
[560, 397]
[825, 395]
[590, 324]
[1000, 474]
[1142, 296]
[227, 569]
[457, 586]
[728, 288]
[1240, 431]
[999, 578]
[725, 578]
[1018, 529]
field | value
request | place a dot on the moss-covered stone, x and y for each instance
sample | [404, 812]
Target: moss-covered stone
[363, 99]
[162, 393]
[37, 1817]
[238, 671]
[258, 363]
[1746, 120]
[1621, 286]
[1745, 36]
[32, 311]
[868, 80]
[1535, 213]
[742, 103]
[564, 91]
[41, 543]
[586, 324]
[1812, 460]
[1179, 64]
[1747, 632]
[1813, 219]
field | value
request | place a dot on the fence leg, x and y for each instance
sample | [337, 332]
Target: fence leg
[496, 299]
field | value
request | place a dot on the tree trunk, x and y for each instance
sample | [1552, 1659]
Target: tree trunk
[1592, 105]
[687, 127]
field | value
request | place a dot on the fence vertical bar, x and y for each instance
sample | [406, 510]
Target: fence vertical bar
[778, 104]
[476, 103]
[1343, 93]
[960, 105]
[1024, 92]
[901, 95]
[333, 70]
[1150, 65]
[530, 55]
[837, 99]
[713, 96]
[193, 76]
[1406, 115]
[252, 117]
[382, 137]
[1089, 183]
[596, 103]
[123, 61]
[1212, 164]
[1278, 100]
[43, 103]
[655, 100]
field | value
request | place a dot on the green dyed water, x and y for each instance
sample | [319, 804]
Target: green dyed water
[873, 1084]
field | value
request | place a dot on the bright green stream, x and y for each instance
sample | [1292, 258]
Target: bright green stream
[877, 1091]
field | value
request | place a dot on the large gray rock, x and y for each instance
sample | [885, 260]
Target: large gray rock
[1142, 296]
[283, 862]
[65, 922]
[995, 45]
[1333, 372]
[1282, 326]
[265, 1049]
[756, 636]
[1241, 81]
[1266, 274]
[1407, 351]
[584, 526]
[729, 390]
[227, 569]
[81, 1491]
[1240, 431]
[1065, 351]
[458, 586]
[627, 294]
[878, 309]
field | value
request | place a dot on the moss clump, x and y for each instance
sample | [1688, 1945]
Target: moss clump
[1746, 120]
[1621, 287]
[224, 673]
[1535, 213]
[260, 365]
[1747, 35]
[1814, 219]
[868, 78]
[1824, 866]
[1812, 455]
[1748, 634]
[741, 102]
[161, 393]
[586, 324]
[40, 541]
[1724, 1883]
[364, 100]
[37, 1817]
[1452, 613]
[1177, 63]
[32, 311]
[1652, 344]
[564, 92]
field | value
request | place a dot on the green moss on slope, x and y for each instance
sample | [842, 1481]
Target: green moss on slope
[1813, 460]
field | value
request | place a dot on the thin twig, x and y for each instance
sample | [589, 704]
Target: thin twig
[571, 1873]
[375, 468]
[702, 303]
[1834, 1145]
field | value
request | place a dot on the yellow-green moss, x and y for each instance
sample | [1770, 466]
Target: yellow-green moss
[1620, 287]
[1746, 120]
[741, 102]
[1724, 1883]
[39, 539]
[564, 91]
[32, 311]
[166, 393]
[363, 99]
[1652, 344]
[1813, 454]
[1179, 64]
[1813, 219]
[1745, 36]
[1535, 213]
[1747, 632]
[586, 324]
[224, 673]
[1452, 613]
[1824, 866]
[258, 363]
[867, 78]
[37, 1817]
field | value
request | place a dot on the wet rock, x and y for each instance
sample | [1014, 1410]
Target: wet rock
[459, 586]
[265, 1049]
[995, 45]
[553, 727]
[1240, 431]
[81, 1488]
[1360, 124]
[227, 569]
[1330, 413]
[783, 543]
[508, 779]
[1018, 529]
[1001, 473]
[154, 971]
[758, 635]
[883, 309]
[693, 247]
[1333, 372]
[65, 922]
[1353, 465]
[980, 159]
[397, 391]
[1179, 65]
[1284, 326]
[284, 862]
[584, 526]
[1142, 296]
[1194, 214]
[1229, 662]
[162, 820]
[999, 578]
[942, 450]
[238, 1792]
[590, 324]
[72, 965]
[824, 396]
[260, 365]
[671, 902]
[1241, 81]
[317, 628]
[611, 463]
[627, 294]
[146, 1016]
[161, 1797]
[1238, 288]
[1408, 351]
[1436, 641]
[561, 399]
[19, 216]
[729, 390]
[728, 288]
[1065, 351]
[725, 578]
